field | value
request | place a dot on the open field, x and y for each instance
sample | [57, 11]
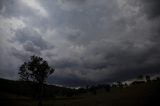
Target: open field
[146, 94]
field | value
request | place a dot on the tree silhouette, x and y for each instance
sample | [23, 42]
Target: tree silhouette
[36, 70]
[140, 77]
[148, 79]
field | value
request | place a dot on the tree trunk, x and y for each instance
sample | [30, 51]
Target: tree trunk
[41, 95]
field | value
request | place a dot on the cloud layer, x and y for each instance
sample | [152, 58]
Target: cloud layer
[87, 41]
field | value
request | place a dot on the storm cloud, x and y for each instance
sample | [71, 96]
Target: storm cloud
[87, 41]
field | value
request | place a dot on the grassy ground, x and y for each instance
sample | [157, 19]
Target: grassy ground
[147, 94]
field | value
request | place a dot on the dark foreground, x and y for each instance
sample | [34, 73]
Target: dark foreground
[147, 94]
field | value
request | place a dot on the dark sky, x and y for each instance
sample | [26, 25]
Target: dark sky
[87, 41]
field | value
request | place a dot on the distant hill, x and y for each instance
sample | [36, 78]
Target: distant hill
[28, 88]
[21, 93]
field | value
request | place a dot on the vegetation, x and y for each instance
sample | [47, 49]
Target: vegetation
[36, 70]
[148, 79]
[19, 93]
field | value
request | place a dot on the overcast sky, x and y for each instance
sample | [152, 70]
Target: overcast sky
[86, 41]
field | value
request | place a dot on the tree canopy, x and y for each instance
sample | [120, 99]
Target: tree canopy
[36, 69]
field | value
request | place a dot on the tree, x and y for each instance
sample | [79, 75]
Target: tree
[36, 70]
[119, 84]
[107, 88]
[148, 79]
[140, 77]
[93, 90]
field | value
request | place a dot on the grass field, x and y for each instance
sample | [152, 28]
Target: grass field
[147, 94]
